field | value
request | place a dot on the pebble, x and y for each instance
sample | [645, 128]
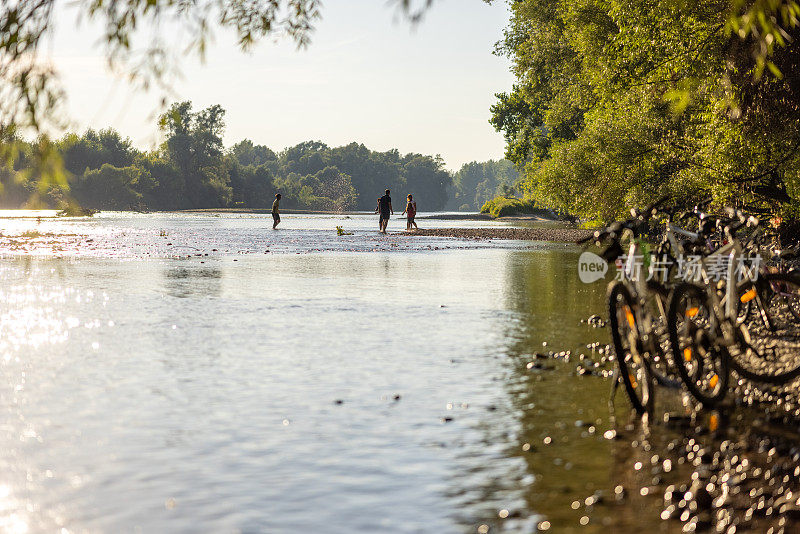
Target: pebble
[569, 235]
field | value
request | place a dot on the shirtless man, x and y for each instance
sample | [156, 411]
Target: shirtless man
[276, 214]
[384, 207]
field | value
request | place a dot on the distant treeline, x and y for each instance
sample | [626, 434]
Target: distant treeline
[192, 169]
[477, 183]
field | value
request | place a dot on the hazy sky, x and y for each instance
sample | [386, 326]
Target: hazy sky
[368, 76]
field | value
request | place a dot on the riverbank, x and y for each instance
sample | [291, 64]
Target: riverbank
[451, 216]
[564, 235]
[433, 216]
[258, 211]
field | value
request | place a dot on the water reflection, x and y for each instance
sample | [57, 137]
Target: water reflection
[545, 438]
[191, 281]
[561, 471]
[373, 392]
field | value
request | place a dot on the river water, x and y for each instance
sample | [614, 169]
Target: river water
[203, 373]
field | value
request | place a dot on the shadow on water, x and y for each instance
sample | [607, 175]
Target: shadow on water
[556, 456]
[569, 467]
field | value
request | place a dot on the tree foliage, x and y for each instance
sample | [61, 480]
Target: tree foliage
[618, 102]
[192, 169]
[136, 45]
[477, 183]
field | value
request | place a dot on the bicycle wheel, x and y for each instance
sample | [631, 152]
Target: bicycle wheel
[632, 367]
[702, 365]
[770, 351]
[656, 342]
[783, 300]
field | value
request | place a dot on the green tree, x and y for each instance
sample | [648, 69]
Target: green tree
[426, 178]
[194, 145]
[113, 188]
[31, 93]
[94, 149]
[246, 153]
[192, 169]
[619, 102]
[251, 186]
[168, 193]
[338, 187]
[371, 172]
[476, 183]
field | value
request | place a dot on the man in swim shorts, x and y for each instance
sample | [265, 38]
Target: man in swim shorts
[384, 208]
[276, 214]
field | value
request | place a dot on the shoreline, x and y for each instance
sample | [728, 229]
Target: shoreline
[562, 235]
[451, 216]
[454, 216]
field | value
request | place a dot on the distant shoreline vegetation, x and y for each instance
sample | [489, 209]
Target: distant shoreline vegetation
[192, 169]
[510, 206]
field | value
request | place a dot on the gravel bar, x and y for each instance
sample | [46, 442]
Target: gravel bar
[564, 235]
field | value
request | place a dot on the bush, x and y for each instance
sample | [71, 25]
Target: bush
[591, 224]
[504, 207]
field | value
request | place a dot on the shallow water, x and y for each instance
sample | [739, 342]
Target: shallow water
[365, 387]
[125, 234]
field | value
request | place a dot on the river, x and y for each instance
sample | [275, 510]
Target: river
[203, 373]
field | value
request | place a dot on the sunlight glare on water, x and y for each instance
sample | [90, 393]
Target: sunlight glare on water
[127, 235]
[347, 390]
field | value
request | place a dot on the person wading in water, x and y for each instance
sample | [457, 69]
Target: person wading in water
[411, 210]
[384, 208]
[276, 214]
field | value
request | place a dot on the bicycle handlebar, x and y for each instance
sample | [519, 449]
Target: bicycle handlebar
[735, 221]
[650, 210]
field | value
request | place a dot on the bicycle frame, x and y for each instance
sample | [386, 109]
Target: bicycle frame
[733, 248]
[639, 282]
[725, 308]
[728, 302]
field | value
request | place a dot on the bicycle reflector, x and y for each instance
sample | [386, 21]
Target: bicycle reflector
[630, 318]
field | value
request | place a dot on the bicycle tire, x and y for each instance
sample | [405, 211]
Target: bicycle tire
[702, 365]
[661, 367]
[791, 278]
[632, 367]
[779, 301]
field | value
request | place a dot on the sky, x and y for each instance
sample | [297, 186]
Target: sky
[368, 76]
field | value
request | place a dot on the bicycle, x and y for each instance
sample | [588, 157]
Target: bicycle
[709, 338]
[637, 308]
